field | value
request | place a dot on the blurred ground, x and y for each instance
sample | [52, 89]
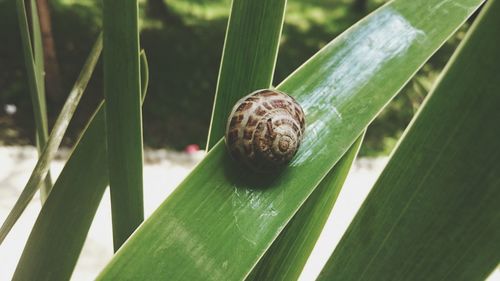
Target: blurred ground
[163, 171]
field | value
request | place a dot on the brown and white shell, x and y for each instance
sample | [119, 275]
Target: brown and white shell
[264, 130]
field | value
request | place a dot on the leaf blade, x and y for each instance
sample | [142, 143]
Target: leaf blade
[220, 210]
[49, 151]
[123, 116]
[33, 58]
[433, 212]
[288, 254]
[252, 41]
[72, 203]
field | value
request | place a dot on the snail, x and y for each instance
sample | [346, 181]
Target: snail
[264, 130]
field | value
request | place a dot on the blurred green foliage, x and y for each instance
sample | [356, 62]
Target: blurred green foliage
[183, 40]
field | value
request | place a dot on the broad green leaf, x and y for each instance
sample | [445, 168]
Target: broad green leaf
[122, 89]
[49, 151]
[252, 38]
[222, 218]
[433, 213]
[288, 254]
[33, 58]
[249, 56]
[72, 203]
[258, 52]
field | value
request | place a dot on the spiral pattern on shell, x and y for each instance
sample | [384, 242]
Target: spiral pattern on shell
[264, 130]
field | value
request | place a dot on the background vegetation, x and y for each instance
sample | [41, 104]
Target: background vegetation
[188, 35]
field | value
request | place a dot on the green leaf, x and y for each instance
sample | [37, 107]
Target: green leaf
[40, 73]
[122, 89]
[433, 213]
[33, 58]
[249, 56]
[49, 151]
[252, 40]
[38, 55]
[222, 218]
[287, 256]
[72, 203]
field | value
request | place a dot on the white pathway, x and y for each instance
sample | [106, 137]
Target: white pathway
[163, 171]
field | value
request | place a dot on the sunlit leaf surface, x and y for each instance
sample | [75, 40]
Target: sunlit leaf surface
[286, 258]
[434, 212]
[222, 218]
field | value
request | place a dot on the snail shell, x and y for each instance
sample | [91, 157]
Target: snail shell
[264, 130]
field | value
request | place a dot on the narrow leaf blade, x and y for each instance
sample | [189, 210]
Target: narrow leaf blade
[38, 55]
[123, 116]
[72, 203]
[288, 254]
[33, 58]
[50, 149]
[249, 56]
